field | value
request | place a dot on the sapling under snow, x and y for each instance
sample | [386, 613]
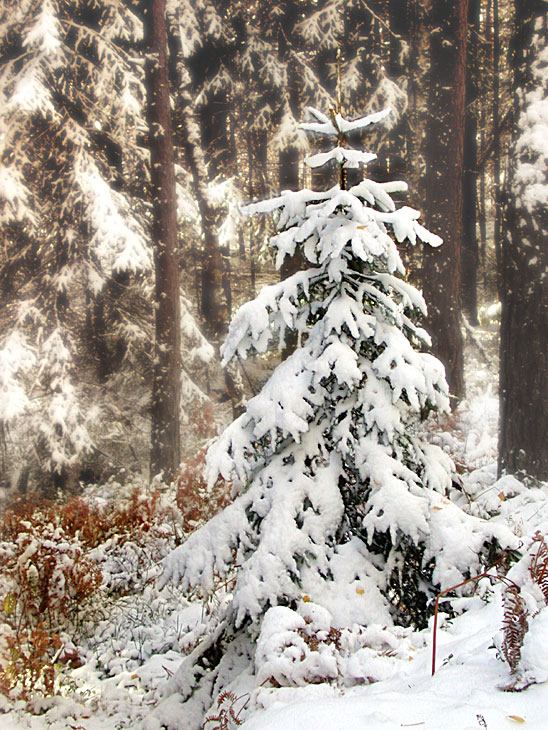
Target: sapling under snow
[337, 500]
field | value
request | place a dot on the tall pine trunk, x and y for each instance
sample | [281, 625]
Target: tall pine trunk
[470, 250]
[443, 186]
[523, 444]
[214, 306]
[496, 142]
[215, 280]
[166, 385]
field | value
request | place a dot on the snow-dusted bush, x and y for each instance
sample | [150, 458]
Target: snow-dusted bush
[47, 584]
[198, 504]
[64, 567]
[302, 646]
[335, 495]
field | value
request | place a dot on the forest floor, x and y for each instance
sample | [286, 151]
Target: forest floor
[140, 640]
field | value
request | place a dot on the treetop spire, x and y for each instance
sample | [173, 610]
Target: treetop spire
[337, 126]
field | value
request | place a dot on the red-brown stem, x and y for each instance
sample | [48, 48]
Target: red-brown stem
[485, 574]
[539, 581]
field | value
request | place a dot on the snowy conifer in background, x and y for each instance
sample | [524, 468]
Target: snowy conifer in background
[72, 238]
[76, 262]
[337, 500]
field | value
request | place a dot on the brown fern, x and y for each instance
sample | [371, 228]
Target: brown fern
[539, 565]
[514, 626]
[516, 615]
[227, 717]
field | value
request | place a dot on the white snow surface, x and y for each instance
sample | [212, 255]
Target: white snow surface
[143, 641]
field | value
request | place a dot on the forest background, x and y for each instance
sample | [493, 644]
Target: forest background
[131, 133]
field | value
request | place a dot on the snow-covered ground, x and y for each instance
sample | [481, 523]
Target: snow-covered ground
[462, 695]
[142, 639]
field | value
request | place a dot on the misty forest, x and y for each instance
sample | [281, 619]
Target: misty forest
[273, 364]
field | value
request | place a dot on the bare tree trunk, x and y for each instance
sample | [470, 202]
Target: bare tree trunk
[102, 318]
[481, 201]
[288, 176]
[166, 386]
[213, 301]
[470, 251]
[444, 167]
[257, 188]
[252, 262]
[216, 294]
[496, 139]
[523, 443]
[401, 20]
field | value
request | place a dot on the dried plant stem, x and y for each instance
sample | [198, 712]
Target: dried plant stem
[485, 574]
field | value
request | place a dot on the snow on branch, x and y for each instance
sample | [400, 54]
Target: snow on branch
[118, 239]
[346, 158]
[16, 357]
[338, 124]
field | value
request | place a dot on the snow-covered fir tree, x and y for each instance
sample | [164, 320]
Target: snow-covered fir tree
[76, 263]
[338, 501]
[72, 240]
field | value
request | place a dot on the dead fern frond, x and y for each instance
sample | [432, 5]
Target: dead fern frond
[514, 626]
[539, 565]
[227, 718]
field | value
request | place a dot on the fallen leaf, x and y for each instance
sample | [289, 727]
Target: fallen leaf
[10, 602]
[516, 718]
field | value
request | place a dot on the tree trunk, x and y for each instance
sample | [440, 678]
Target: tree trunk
[215, 135]
[288, 175]
[496, 140]
[166, 385]
[216, 293]
[214, 307]
[443, 187]
[470, 250]
[523, 445]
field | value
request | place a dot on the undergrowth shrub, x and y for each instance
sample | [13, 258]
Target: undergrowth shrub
[198, 426]
[196, 502]
[46, 583]
[227, 714]
[132, 519]
[54, 558]
[303, 646]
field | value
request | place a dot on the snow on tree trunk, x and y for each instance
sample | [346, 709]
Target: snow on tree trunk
[337, 499]
[524, 341]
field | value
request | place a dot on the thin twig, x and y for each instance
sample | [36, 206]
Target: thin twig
[253, 390]
[485, 574]
[381, 21]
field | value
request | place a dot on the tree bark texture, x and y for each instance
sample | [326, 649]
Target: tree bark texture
[166, 386]
[496, 140]
[523, 444]
[470, 250]
[443, 185]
